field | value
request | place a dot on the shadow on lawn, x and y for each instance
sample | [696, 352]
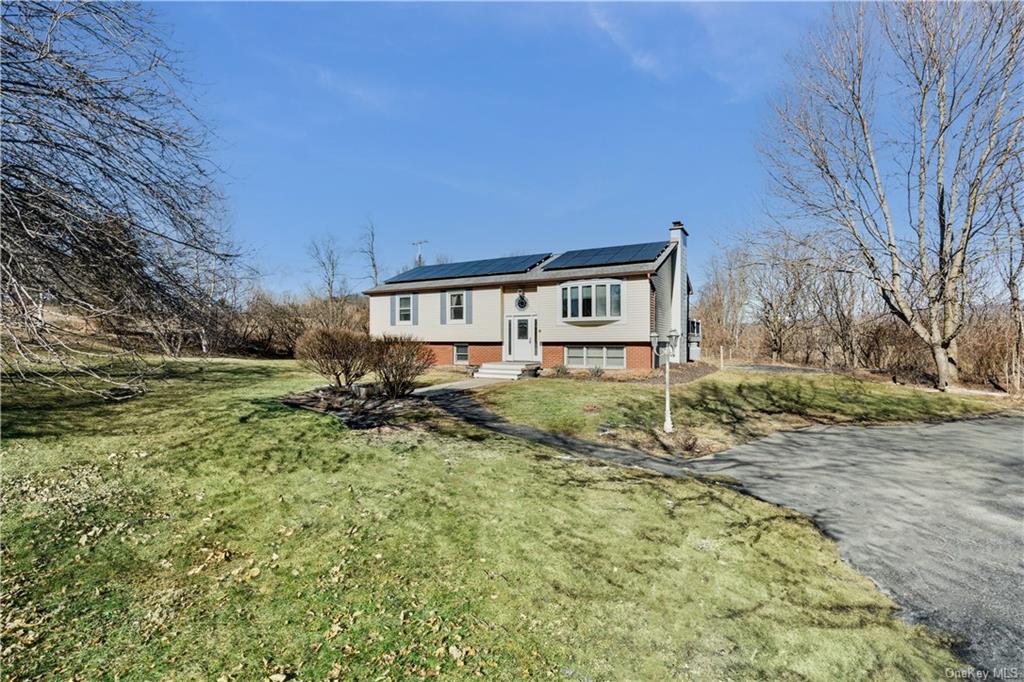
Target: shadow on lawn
[34, 410]
[742, 408]
[464, 406]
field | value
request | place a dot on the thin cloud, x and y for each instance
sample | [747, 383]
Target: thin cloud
[368, 96]
[743, 46]
[640, 59]
[359, 92]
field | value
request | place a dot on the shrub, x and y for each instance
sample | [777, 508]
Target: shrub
[341, 355]
[595, 372]
[561, 371]
[398, 361]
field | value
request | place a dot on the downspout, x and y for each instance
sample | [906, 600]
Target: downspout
[653, 317]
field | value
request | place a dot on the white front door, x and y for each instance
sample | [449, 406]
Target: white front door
[522, 331]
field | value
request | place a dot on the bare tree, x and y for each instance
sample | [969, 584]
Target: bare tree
[326, 255]
[724, 299]
[836, 297]
[1008, 250]
[368, 248]
[778, 275]
[833, 291]
[107, 196]
[898, 135]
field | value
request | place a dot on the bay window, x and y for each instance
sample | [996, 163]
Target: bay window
[600, 301]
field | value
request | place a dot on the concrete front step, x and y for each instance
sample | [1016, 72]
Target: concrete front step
[509, 364]
[505, 370]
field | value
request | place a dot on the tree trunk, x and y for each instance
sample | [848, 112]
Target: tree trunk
[942, 366]
[953, 361]
[1017, 315]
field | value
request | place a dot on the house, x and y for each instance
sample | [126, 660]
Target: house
[605, 307]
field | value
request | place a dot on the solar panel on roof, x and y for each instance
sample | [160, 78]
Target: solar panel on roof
[611, 255]
[475, 268]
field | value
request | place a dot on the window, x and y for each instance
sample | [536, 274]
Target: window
[522, 329]
[608, 357]
[593, 301]
[615, 357]
[405, 310]
[462, 354]
[456, 306]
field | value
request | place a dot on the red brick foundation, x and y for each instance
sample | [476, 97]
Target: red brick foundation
[552, 355]
[638, 355]
[479, 353]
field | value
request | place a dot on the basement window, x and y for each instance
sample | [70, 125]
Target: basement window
[462, 354]
[606, 357]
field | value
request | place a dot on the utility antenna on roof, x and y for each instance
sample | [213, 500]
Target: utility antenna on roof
[419, 251]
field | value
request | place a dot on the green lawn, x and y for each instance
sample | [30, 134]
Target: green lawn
[721, 409]
[206, 531]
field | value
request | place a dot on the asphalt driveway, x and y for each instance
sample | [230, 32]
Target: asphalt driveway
[933, 513]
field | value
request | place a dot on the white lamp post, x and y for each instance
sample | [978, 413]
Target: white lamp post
[665, 355]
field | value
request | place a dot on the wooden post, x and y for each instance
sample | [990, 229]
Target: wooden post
[721, 357]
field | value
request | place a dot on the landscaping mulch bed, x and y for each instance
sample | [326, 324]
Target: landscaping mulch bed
[357, 413]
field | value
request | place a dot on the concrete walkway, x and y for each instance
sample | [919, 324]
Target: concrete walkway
[462, 385]
[933, 513]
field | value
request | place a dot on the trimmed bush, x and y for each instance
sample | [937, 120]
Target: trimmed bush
[398, 361]
[340, 355]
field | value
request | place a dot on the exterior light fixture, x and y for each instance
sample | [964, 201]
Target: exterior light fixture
[664, 354]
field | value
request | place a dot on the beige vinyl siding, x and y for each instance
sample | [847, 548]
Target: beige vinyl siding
[633, 326]
[532, 300]
[662, 280]
[485, 327]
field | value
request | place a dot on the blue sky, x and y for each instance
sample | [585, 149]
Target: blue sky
[485, 129]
